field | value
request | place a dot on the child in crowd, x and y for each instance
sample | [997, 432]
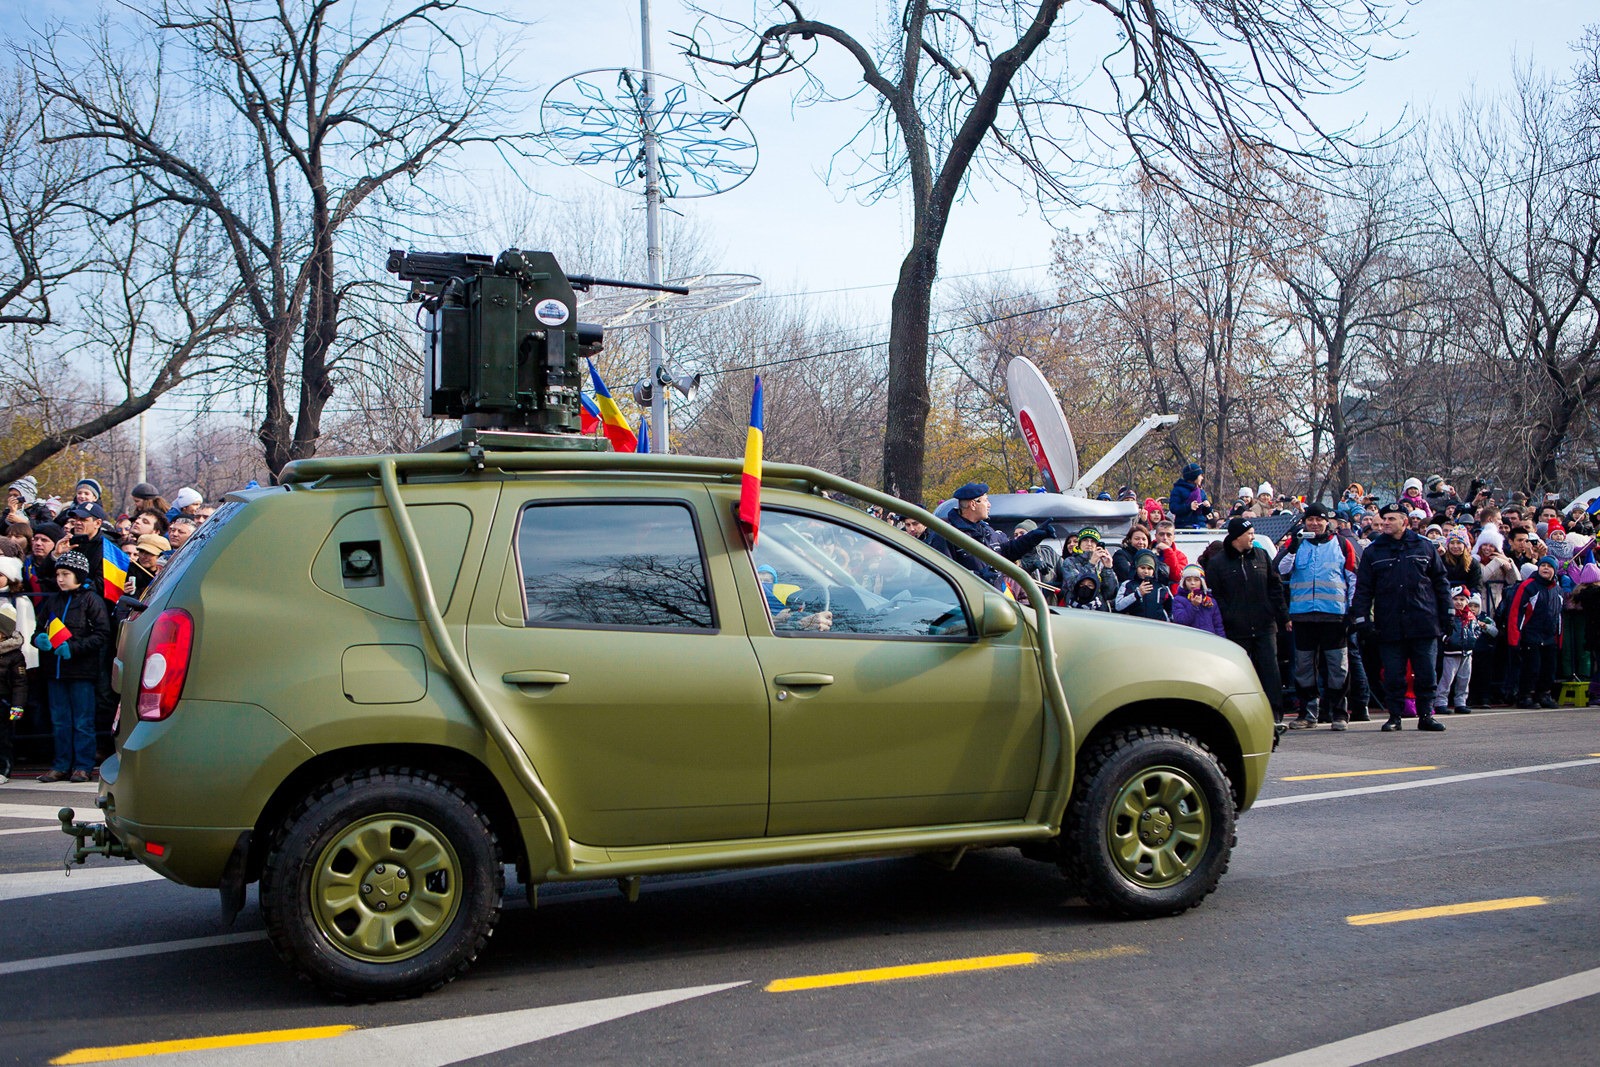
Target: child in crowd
[75, 629]
[1193, 605]
[17, 654]
[1085, 594]
[1141, 594]
[1450, 697]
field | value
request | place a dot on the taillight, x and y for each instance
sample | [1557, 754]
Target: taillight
[166, 664]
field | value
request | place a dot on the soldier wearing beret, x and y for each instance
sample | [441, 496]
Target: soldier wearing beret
[972, 519]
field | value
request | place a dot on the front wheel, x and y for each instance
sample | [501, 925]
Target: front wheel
[1151, 824]
[382, 884]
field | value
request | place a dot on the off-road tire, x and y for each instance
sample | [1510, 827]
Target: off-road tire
[314, 830]
[1132, 764]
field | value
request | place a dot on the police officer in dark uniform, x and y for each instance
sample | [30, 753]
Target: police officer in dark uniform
[972, 519]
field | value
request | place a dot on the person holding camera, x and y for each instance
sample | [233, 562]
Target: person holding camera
[1091, 560]
[1187, 502]
[1320, 568]
[1402, 595]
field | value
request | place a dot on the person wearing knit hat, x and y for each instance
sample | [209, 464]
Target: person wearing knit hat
[71, 662]
[1193, 605]
[1142, 595]
[1460, 566]
[1187, 503]
[1533, 635]
[21, 493]
[87, 491]
[189, 499]
[1403, 597]
[17, 654]
[1250, 594]
[1092, 558]
[1455, 677]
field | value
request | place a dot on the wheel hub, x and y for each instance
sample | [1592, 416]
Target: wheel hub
[1155, 826]
[1158, 827]
[385, 886]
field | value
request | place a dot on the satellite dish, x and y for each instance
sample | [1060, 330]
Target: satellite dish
[633, 307]
[1043, 426]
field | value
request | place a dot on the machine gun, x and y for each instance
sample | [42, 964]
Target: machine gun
[502, 343]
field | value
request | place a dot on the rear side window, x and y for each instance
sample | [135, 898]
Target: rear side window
[613, 565]
[192, 548]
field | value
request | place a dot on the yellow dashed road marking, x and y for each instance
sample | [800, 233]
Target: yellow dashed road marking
[1354, 774]
[1470, 908]
[943, 967]
[193, 1044]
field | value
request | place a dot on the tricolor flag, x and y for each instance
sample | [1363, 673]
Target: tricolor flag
[750, 485]
[113, 570]
[58, 633]
[589, 418]
[612, 424]
[644, 435]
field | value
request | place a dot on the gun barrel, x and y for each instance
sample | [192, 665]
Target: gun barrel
[585, 280]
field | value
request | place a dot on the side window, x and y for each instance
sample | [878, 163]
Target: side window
[823, 577]
[634, 565]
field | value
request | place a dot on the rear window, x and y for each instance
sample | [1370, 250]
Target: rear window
[180, 560]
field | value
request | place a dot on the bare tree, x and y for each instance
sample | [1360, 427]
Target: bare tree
[283, 122]
[987, 85]
[1514, 190]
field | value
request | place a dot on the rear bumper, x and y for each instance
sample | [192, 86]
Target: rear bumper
[194, 782]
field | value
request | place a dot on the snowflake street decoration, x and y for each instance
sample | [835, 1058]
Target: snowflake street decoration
[599, 119]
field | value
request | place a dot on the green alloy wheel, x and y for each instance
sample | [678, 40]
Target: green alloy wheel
[382, 884]
[1151, 825]
[386, 888]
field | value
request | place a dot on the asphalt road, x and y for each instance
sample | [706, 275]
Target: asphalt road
[1501, 966]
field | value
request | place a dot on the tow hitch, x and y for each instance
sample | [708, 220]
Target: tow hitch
[104, 842]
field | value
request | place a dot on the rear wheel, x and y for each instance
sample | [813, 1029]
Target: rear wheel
[1151, 825]
[384, 883]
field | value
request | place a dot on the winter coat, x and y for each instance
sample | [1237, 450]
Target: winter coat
[1185, 517]
[84, 613]
[1205, 616]
[1464, 633]
[39, 577]
[1499, 577]
[1081, 565]
[1415, 501]
[1012, 548]
[1122, 563]
[1174, 560]
[1470, 576]
[1534, 615]
[1247, 589]
[1156, 604]
[1400, 583]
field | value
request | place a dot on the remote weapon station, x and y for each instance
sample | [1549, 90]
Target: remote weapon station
[502, 345]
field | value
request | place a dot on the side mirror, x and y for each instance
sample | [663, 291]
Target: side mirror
[999, 615]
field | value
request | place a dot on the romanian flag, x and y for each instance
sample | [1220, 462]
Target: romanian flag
[644, 435]
[58, 633]
[750, 485]
[612, 424]
[113, 570]
[589, 418]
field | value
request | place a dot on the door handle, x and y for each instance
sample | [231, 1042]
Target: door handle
[803, 678]
[538, 681]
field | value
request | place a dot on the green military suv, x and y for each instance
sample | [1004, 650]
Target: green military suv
[372, 687]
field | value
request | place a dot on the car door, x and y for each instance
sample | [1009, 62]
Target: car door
[611, 641]
[895, 713]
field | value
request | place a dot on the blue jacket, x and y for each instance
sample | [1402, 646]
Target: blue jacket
[1183, 494]
[1321, 577]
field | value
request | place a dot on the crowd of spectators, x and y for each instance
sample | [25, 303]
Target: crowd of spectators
[66, 566]
[1424, 605]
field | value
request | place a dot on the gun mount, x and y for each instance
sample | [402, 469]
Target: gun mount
[502, 345]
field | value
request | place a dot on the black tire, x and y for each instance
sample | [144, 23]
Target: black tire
[1134, 764]
[455, 901]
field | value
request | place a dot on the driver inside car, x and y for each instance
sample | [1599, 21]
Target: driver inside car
[783, 617]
